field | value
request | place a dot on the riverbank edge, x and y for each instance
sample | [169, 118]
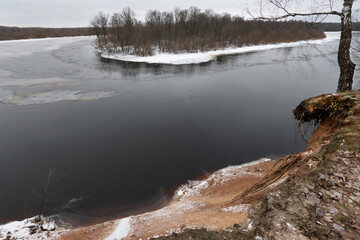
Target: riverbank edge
[204, 57]
[321, 199]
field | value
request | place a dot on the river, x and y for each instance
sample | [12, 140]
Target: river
[123, 133]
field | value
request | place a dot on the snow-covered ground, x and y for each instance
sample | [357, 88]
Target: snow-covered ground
[29, 229]
[162, 221]
[121, 230]
[194, 188]
[184, 202]
[201, 57]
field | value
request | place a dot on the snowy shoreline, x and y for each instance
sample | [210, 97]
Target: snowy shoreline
[123, 226]
[202, 57]
[181, 202]
[193, 188]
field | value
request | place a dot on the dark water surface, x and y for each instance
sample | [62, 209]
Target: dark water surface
[165, 124]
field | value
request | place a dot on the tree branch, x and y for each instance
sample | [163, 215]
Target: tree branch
[288, 14]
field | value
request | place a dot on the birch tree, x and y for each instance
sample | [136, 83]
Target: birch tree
[285, 9]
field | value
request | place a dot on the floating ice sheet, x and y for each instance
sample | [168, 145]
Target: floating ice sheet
[15, 48]
[37, 81]
[8, 96]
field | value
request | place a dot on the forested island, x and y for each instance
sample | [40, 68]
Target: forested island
[190, 30]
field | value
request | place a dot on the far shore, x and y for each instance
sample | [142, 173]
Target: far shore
[203, 57]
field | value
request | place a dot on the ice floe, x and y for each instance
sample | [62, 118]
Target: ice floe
[15, 48]
[37, 81]
[45, 91]
[8, 96]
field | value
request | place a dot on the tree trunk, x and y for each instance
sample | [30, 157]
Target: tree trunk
[347, 67]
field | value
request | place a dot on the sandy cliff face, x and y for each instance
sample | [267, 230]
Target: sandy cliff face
[204, 203]
[320, 198]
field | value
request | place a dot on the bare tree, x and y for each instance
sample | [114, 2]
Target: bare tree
[99, 26]
[43, 198]
[45, 187]
[284, 8]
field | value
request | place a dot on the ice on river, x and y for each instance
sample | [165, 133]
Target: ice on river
[28, 91]
[42, 90]
[8, 96]
[9, 91]
[37, 82]
[15, 48]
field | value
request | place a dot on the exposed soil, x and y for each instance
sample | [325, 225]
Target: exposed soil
[320, 199]
[202, 207]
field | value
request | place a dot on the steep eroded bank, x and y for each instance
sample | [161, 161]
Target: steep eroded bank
[320, 194]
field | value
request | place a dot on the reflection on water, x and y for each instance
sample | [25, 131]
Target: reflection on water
[162, 124]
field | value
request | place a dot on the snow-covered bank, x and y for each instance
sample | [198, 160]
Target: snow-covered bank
[201, 57]
[121, 230]
[194, 188]
[29, 229]
[194, 205]
[197, 204]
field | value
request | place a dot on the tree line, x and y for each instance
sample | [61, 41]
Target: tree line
[190, 30]
[14, 33]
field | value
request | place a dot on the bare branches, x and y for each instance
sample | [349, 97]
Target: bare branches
[285, 10]
[290, 14]
[43, 198]
[347, 67]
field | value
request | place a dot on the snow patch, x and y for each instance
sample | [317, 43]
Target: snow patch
[291, 226]
[237, 209]
[201, 57]
[122, 229]
[249, 227]
[166, 212]
[277, 183]
[194, 188]
[28, 229]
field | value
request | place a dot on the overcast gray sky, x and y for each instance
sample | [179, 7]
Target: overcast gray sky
[73, 13]
[78, 13]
